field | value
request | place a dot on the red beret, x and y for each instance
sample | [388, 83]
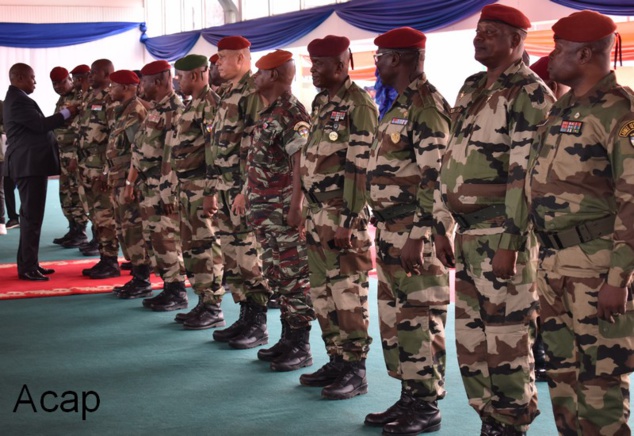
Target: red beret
[541, 68]
[155, 67]
[584, 26]
[59, 74]
[124, 77]
[233, 43]
[214, 59]
[403, 37]
[81, 69]
[274, 59]
[506, 15]
[330, 46]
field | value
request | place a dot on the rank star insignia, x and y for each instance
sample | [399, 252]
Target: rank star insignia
[627, 131]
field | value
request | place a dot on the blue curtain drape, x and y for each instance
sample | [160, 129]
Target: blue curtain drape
[609, 7]
[275, 32]
[28, 35]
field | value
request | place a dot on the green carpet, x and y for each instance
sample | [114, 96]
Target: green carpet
[153, 377]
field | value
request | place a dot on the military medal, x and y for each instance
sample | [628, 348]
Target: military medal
[572, 127]
[333, 136]
[396, 137]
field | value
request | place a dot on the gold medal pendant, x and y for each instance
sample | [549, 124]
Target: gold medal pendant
[333, 136]
[396, 137]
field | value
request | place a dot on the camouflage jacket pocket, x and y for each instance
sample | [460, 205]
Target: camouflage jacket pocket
[615, 351]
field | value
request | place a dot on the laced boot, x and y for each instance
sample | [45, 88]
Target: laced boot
[492, 427]
[175, 298]
[325, 375]
[77, 237]
[90, 248]
[350, 383]
[181, 317]
[254, 332]
[297, 353]
[139, 286]
[96, 267]
[69, 233]
[272, 353]
[110, 269]
[420, 417]
[392, 413]
[159, 299]
[210, 315]
[225, 335]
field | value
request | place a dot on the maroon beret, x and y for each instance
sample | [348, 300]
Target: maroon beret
[506, 15]
[584, 26]
[213, 59]
[402, 37]
[58, 74]
[330, 46]
[81, 69]
[274, 59]
[233, 43]
[541, 68]
[124, 77]
[155, 67]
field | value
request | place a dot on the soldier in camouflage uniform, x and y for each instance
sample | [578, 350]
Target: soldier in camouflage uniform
[413, 288]
[225, 159]
[333, 168]
[482, 184]
[68, 183]
[580, 186]
[274, 199]
[93, 126]
[157, 201]
[80, 79]
[201, 252]
[118, 158]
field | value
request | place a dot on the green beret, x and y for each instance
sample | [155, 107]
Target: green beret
[191, 62]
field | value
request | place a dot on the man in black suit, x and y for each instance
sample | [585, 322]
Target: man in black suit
[31, 157]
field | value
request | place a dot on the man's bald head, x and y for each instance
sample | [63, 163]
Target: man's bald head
[18, 70]
[22, 76]
[100, 71]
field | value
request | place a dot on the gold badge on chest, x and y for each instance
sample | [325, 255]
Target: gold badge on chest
[395, 137]
[333, 136]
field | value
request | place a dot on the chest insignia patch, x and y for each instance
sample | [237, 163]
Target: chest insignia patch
[399, 121]
[627, 131]
[572, 127]
[302, 128]
[395, 137]
[333, 136]
[96, 107]
[337, 116]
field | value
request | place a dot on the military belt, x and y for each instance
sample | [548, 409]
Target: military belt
[191, 174]
[392, 212]
[584, 232]
[468, 220]
[318, 198]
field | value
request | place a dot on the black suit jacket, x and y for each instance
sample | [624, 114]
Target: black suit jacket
[32, 148]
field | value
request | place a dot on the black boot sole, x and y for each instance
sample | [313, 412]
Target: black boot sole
[287, 368]
[168, 308]
[361, 390]
[206, 326]
[243, 346]
[124, 296]
[431, 429]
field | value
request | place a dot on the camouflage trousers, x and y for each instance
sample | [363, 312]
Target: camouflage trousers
[72, 207]
[202, 255]
[495, 330]
[284, 260]
[588, 360]
[412, 317]
[128, 219]
[339, 283]
[243, 254]
[100, 210]
[161, 232]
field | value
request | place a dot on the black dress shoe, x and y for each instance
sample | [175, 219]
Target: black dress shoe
[45, 271]
[34, 276]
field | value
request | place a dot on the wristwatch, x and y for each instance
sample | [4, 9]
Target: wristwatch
[127, 182]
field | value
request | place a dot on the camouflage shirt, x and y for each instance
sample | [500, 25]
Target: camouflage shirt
[230, 137]
[65, 135]
[405, 157]
[485, 163]
[122, 134]
[280, 132]
[338, 148]
[151, 150]
[582, 169]
[192, 132]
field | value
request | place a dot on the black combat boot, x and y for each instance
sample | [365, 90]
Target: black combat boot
[350, 383]
[139, 286]
[175, 298]
[297, 353]
[420, 417]
[96, 267]
[109, 269]
[210, 315]
[491, 427]
[77, 237]
[393, 412]
[254, 332]
[234, 329]
[272, 353]
[69, 233]
[540, 358]
[325, 375]
[90, 248]
[181, 317]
